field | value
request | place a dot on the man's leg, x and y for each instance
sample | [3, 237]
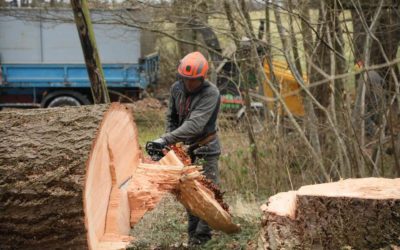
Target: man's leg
[210, 168]
[193, 221]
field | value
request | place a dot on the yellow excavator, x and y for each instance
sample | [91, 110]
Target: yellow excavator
[289, 89]
[288, 86]
[231, 100]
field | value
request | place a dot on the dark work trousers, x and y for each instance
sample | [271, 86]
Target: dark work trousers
[197, 228]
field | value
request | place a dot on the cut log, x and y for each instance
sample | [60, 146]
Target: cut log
[151, 181]
[62, 178]
[149, 184]
[355, 213]
[204, 200]
[73, 178]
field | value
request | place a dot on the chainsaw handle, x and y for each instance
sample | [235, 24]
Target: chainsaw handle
[156, 150]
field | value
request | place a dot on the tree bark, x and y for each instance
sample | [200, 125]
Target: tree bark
[354, 213]
[184, 9]
[311, 117]
[322, 92]
[58, 169]
[90, 52]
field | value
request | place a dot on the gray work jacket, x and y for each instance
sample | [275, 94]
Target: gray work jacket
[193, 116]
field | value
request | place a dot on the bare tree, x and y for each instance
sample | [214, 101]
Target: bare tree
[89, 48]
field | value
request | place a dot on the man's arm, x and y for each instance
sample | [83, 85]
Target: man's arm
[172, 118]
[197, 120]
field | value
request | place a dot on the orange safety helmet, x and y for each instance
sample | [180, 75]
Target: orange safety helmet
[193, 66]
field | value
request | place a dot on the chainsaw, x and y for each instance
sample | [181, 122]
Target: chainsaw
[156, 150]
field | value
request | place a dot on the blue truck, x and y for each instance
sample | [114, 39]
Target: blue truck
[42, 63]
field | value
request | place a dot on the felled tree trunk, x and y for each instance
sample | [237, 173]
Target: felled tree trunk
[62, 177]
[72, 178]
[356, 213]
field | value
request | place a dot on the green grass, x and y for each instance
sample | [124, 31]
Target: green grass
[150, 124]
[166, 227]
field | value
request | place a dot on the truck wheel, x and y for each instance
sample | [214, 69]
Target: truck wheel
[62, 101]
[64, 98]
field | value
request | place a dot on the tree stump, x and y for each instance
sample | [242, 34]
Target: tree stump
[356, 213]
[62, 176]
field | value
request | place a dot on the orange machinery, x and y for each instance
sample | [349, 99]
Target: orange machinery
[289, 88]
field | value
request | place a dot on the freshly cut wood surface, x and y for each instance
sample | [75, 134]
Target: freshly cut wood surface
[202, 202]
[60, 169]
[114, 157]
[200, 197]
[358, 213]
[282, 204]
[171, 159]
[150, 182]
[118, 214]
[366, 188]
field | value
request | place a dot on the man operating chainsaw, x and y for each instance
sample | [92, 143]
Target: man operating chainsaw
[192, 119]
